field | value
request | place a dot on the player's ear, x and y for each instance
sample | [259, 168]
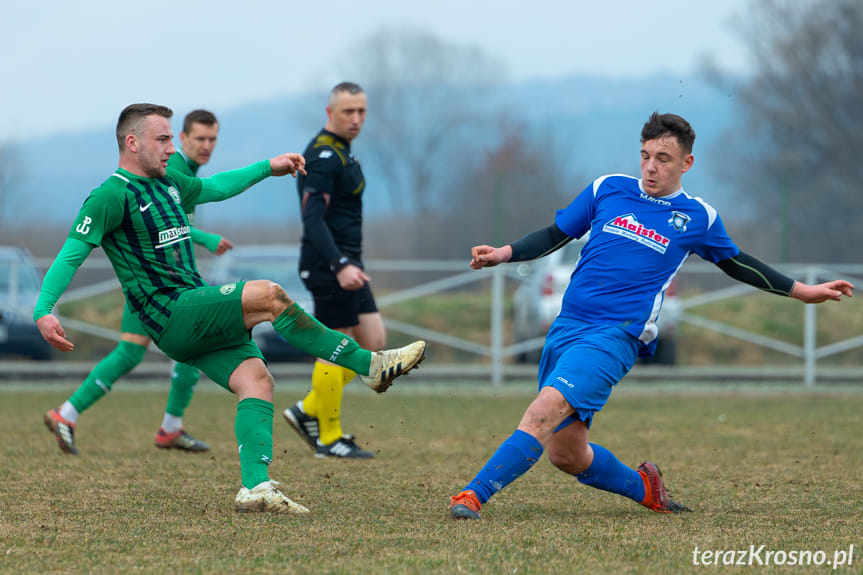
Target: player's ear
[687, 162]
[131, 143]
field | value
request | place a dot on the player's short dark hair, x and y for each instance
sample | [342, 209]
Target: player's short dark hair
[349, 87]
[660, 125]
[131, 117]
[205, 117]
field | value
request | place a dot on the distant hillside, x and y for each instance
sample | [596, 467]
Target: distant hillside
[598, 120]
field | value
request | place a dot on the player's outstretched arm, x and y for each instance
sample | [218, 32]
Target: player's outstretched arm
[832, 290]
[57, 278]
[224, 185]
[288, 164]
[488, 256]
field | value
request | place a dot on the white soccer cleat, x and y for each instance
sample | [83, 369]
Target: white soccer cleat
[266, 497]
[391, 363]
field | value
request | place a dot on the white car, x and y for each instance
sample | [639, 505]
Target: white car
[276, 262]
[538, 299]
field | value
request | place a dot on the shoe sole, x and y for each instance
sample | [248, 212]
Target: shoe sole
[329, 456]
[289, 417]
[295, 509]
[461, 511]
[673, 506]
[181, 448]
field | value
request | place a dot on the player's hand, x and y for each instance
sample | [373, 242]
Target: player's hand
[352, 278]
[833, 290]
[50, 328]
[224, 245]
[487, 256]
[288, 164]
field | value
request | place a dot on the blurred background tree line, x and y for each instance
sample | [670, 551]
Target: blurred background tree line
[466, 173]
[792, 155]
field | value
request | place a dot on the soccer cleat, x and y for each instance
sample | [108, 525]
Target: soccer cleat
[391, 363]
[266, 497]
[465, 505]
[305, 425]
[63, 430]
[655, 496]
[343, 447]
[179, 440]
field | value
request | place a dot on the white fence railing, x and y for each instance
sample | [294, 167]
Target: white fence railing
[455, 274]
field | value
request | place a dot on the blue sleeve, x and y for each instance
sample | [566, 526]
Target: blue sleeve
[575, 219]
[716, 245]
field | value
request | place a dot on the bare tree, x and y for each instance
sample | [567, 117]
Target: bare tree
[506, 192]
[802, 125]
[426, 97]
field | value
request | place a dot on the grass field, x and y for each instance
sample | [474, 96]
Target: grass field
[759, 466]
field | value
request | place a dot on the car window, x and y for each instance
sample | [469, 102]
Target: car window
[27, 276]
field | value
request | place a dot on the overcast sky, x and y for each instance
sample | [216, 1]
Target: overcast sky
[71, 65]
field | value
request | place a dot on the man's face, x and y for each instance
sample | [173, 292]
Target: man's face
[200, 142]
[663, 164]
[153, 145]
[346, 114]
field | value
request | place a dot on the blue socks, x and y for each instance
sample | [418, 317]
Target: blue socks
[609, 474]
[512, 459]
[521, 451]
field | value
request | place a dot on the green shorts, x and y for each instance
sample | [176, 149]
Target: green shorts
[206, 330]
[131, 323]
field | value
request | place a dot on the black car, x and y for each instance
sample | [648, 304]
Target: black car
[20, 280]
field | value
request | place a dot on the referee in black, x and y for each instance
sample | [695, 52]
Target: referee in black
[331, 202]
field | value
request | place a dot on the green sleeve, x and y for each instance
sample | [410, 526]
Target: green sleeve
[208, 240]
[57, 278]
[224, 185]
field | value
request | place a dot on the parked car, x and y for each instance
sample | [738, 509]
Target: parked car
[537, 302]
[20, 280]
[277, 262]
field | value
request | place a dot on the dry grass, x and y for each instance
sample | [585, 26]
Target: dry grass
[780, 469]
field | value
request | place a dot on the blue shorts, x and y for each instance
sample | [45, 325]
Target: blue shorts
[584, 361]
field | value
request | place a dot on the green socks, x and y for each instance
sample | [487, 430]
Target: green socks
[308, 334]
[116, 364]
[183, 381]
[254, 429]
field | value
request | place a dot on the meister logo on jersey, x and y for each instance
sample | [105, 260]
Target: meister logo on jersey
[629, 227]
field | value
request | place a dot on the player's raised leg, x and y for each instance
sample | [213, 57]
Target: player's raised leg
[266, 301]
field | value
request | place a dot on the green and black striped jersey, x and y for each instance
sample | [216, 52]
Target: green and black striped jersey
[142, 225]
[183, 164]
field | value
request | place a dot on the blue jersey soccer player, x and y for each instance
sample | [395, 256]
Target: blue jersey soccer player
[641, 233]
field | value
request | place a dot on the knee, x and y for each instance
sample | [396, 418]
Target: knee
[252, 379]
[265, 382]
[570, 459]
[265, 296]
[261, 385]
[275, 294]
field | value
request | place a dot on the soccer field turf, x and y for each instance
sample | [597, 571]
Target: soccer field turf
[772, 467]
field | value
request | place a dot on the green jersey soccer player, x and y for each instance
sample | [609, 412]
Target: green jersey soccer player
[138, 217]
